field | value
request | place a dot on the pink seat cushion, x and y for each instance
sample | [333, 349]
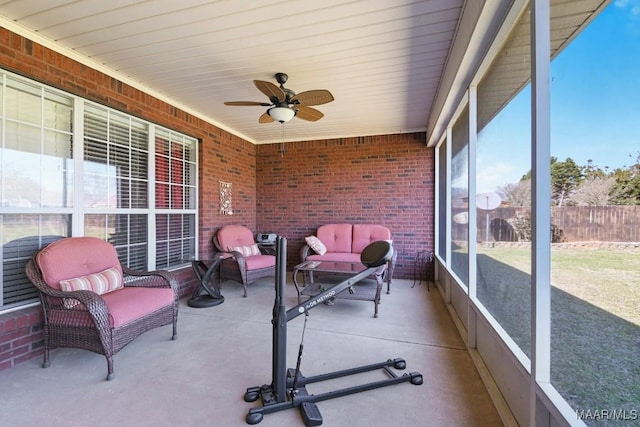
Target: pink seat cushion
[124, 305]
[129, 304]
[234, 235]
[364, 234]
[336, 256]
[336, 237]
[89, 254]
[256, 262]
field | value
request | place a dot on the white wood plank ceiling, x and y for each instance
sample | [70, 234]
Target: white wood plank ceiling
[382, 60]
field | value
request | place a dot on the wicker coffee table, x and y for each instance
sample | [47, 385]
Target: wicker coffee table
[330, 273]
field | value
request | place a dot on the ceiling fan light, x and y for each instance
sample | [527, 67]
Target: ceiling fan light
[281, 114]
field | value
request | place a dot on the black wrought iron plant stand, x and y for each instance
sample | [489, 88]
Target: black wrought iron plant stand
[207, 292]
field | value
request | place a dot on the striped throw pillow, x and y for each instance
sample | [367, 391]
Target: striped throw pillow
[100, 283]
[248, 250]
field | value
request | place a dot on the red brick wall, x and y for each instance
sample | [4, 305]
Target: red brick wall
[21, 336]
[387, 180]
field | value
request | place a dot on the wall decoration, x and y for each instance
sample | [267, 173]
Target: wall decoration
[225, 198]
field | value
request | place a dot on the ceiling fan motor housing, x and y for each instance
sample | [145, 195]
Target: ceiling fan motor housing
[281, 78]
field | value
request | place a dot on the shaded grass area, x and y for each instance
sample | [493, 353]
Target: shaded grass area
[595, 319]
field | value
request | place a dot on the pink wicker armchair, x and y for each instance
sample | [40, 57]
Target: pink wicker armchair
[108, 306]
[245, 262]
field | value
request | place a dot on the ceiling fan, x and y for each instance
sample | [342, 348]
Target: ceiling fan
[285, 103]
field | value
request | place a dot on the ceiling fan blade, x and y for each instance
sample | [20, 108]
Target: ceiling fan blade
[308, 113]
[272, 91]
[265, 118]
[312, 97]
[245, 103]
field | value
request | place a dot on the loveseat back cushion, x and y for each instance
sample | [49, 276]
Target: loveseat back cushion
[335, 237]
[234, 235]
[73, 257]
[364, 234]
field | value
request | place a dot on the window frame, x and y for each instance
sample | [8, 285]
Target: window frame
[77, 212]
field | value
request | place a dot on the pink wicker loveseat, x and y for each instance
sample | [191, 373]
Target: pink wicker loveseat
[90, 301]
[244, 262]
[345, 242]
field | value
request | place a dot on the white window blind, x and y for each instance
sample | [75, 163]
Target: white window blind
[38, 198]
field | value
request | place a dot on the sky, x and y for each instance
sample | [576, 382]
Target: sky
[595, 104]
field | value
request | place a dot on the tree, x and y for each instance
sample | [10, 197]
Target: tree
[518, 194]
[594, 191]
[593, 171]
[581, 185]
[565, 178]
[627, 189]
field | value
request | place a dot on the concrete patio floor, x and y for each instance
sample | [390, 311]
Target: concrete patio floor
[200, 378]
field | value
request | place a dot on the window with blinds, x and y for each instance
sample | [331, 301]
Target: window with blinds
[24, 234]
[36, 179]
[175, 171]
[127, 232]
[175, 238]
[116, 158]
[137, 189]
[175, 197]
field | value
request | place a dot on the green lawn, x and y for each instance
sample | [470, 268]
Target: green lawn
[607, 278]
[595, 318]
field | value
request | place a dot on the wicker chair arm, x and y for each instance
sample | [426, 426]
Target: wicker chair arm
[271, 250]
[91, 300]
[304, 252]
[91, 303]
[242, 263]
[150, 279]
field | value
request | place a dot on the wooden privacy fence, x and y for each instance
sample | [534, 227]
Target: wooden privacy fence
[569, 224]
